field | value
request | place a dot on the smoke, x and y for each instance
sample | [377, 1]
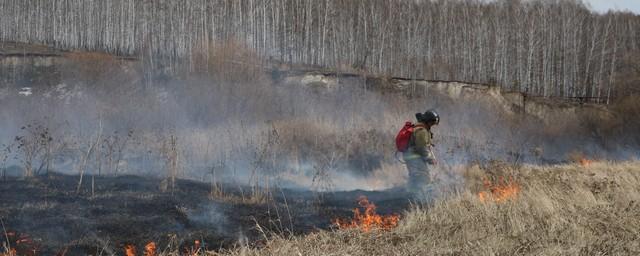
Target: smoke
[319, 134]
[309, 132]
[209, 215]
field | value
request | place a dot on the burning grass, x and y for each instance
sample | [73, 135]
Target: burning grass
[130, 250]
[585, 162]
[500, 191]
[150, 249]
[580, 158]
[560, 210]
[130, 215]
[368, 219]
[22, 243]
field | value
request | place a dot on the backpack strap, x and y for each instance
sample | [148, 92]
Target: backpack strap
[412, 140]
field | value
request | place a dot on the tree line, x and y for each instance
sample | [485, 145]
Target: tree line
[550, 48]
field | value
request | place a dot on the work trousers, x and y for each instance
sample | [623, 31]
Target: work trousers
[419, 184]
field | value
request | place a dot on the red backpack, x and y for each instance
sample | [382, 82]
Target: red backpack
[404, 137]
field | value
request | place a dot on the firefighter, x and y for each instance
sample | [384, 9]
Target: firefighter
[419, 157]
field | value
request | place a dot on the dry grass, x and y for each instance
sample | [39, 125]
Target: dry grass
[90, 66]
[254, 195]
[561, 210]
[230, 60]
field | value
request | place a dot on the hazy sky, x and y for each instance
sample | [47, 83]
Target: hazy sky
[604, 5]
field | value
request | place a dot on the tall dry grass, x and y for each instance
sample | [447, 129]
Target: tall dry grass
[561, 210]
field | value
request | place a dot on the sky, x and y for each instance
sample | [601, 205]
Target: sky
[605, 5]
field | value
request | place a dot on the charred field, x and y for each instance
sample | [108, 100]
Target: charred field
[45, 215]
[105, 161]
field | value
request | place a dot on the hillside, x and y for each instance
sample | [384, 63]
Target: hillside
[545, 48]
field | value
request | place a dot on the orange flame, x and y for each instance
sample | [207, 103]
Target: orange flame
[22, 244]
[11, 252]
[195, 249]
[369, 220]
[499, 192]
[130, 250]
[150, 249]
[585, 162]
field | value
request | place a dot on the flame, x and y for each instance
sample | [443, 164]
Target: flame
[11, 252]
[150, 249]
[18, 244]
[369, 219]
[130, 250]
[499, 192]
[584, 162]
[195, 249]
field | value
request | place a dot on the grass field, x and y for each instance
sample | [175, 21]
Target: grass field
[574, 209]
[105, 154]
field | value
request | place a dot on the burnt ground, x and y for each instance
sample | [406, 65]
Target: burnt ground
[46, 214]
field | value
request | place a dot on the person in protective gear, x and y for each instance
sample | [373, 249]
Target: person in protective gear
[419, 157]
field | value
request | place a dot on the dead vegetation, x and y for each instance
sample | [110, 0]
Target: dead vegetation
[262, 134]
[561, 210]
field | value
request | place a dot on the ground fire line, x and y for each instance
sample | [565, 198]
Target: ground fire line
[500, 191]
[368, 219]
[151, 249]
[584, 162]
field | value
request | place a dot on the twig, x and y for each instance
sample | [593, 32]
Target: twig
[86, 158]
[288, 211]
[104, 248]
[6, 236]
[260, 229]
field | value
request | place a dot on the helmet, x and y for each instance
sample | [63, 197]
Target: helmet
[429, 116]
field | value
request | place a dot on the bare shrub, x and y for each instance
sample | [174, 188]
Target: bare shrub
[170, 151]
[4, 156]
[217, 190]
[360, 149]
[327, 164]
[34, 143]
[92, 146]
[610, 125]
[112, 148]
